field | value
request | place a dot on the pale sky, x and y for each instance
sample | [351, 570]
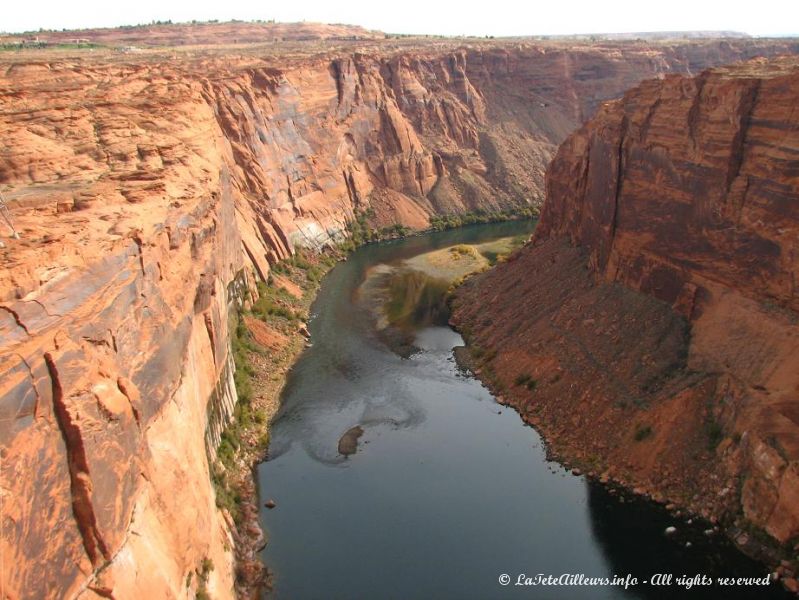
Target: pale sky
[488, 17]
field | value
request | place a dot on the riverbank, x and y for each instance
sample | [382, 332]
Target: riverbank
[556, 347]
[283, 311]
[433, 452]
[267, 337]
[576, 457]
[412, 293]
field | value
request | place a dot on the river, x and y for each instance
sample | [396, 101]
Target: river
[447, 490]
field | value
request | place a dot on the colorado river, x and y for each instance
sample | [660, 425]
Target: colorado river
[446, 490]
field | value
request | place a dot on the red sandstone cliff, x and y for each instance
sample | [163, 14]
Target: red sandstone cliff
[657, 305]
[150, 192]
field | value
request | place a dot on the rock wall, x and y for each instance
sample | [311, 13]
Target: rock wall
[107, 371]
[657, 305]
[143, 186]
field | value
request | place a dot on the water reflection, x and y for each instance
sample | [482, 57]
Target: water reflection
[341, 381]
[447, 489]
[619, 521]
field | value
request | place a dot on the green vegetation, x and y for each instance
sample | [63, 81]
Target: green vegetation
[203, 572]
[481, 355]
[314, 268]
[521, 379]
[492, 379]
[247, 435]
[360, 232]
[642, 432]
[714, 431]
[12, 46]
[464, 250]
[774, 307]
[442, 222]
[526, 380]
[495, 253]
[416, 299]
[273, 301]
[206, 567]
[492, 256]
[245, 417]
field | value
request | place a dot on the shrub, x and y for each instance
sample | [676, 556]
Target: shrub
[315, 274]
[715, 433]
[463, 250]
[526, 380]
[206, 566]
[522, 379]
[299, 260]
[450, 221]
[227, 496]
[273, 301]
[642, 432]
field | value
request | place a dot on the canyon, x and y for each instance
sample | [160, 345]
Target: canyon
[656, 306]
[152, 190]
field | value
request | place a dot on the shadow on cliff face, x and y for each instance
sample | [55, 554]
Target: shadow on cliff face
[619, 522]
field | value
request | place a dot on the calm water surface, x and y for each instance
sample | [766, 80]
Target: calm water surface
[448, 490]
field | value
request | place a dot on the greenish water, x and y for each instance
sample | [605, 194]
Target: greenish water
[447, 490]
[416, 300]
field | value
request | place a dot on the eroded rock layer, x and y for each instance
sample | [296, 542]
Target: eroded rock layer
[151, 191]
[657, 307]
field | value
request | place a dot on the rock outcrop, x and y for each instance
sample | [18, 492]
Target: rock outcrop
[657, 307]
[151, 191]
